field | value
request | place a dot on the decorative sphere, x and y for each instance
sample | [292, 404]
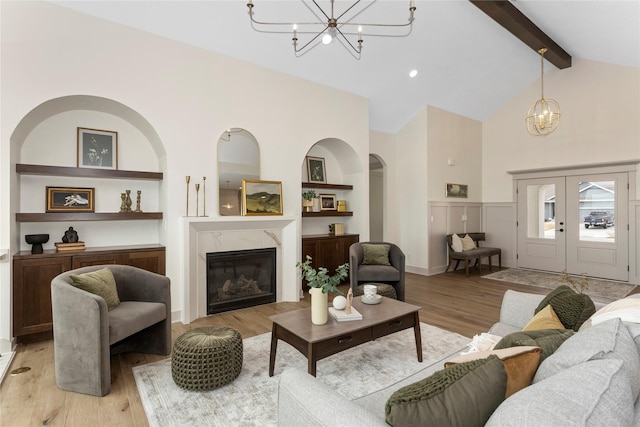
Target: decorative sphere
[339, 302]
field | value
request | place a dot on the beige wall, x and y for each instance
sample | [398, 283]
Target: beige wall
[600, 106]
[459, 139]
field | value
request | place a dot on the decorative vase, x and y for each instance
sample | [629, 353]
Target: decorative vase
[307, 205]
[319, 306]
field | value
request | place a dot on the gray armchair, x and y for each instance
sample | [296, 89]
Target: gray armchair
[390, 274]
[86, 334]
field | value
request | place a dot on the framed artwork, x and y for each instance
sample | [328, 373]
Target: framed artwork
[457, 190]
[315, 170]
[97, 149]
[69, 199]
[261, 197]
[328, 202]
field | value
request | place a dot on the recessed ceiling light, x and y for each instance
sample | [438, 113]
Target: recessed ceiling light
[413, 73]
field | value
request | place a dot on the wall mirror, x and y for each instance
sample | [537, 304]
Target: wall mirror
[238, 159]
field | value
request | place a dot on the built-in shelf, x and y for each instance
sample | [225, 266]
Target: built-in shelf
[327, 186]
[86, 216]
[325, 213]
[85, 172]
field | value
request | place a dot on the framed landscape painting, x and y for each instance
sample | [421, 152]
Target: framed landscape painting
[316, 170]
[97, 149]
[457, 190]
[68, 199]
[261, 197]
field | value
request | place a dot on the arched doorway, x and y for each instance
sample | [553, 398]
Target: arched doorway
[376, 199]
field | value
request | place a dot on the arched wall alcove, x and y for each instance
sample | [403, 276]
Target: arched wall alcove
[47, 135]
[342, 166]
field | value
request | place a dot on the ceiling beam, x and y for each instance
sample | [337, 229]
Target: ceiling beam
[507, 15]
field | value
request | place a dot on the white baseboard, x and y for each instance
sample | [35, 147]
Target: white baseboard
[5, 362]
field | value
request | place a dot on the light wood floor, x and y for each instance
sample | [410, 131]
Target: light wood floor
[466, 305]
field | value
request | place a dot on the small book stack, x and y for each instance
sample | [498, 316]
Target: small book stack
[342, 316]
[77, 246]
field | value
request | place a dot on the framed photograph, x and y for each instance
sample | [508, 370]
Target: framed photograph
[97, 149]
[68, 199]
[261, 197]
[315, 170]
[457, 190]
[328, 202]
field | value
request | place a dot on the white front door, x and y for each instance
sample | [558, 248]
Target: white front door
[552, 232]
[601, 250]
[541, 215]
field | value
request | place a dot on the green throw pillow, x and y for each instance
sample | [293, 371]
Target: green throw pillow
[464, 394]
[99, 282]
[375, 254]
[572, 308]
[548, 339]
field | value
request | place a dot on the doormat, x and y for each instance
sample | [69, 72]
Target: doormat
[598, 289]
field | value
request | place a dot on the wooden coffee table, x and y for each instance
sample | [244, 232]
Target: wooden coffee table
[316, 342]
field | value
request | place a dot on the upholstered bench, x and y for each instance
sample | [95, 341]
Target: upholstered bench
[206, 358]
[383, 289]
[472, 254]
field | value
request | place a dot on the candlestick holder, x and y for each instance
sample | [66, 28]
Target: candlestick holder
[188, 179]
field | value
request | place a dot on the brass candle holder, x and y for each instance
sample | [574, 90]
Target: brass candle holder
[197, 197]
[204, 196]
[188, 180]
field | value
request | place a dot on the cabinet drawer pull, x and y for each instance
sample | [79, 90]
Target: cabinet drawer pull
[345, 340]
[395, 324]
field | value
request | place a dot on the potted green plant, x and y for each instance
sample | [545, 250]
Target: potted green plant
[320, 284]
[307, 200]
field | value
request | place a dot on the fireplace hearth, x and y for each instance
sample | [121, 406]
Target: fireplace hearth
[240, 279]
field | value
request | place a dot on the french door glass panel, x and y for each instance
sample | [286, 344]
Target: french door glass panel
[541, 207]
[600, 248]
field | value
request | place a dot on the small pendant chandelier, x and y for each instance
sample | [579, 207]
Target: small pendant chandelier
[544, 115]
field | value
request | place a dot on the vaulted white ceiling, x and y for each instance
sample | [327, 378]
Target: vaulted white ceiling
[466, 62]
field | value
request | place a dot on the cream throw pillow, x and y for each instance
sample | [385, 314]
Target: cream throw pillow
[545, 319]
[627, 309]
[468, 243]
[456, 243]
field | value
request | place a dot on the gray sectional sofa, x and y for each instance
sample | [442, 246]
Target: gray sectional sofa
[592, 379]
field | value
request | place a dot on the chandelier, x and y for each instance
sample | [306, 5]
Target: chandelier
[331, 27]
[544, 115]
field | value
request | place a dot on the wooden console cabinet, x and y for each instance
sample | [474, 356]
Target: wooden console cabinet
[32, 275]
[328, 250]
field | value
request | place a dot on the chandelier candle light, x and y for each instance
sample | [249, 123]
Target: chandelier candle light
[544, 115]
[333, 27]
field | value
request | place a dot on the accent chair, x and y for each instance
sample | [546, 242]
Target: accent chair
[392, 274]
[86, 333]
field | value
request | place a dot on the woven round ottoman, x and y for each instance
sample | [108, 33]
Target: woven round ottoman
[207, 357]
[383, 289]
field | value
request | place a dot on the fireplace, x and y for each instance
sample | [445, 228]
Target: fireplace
[240, 279]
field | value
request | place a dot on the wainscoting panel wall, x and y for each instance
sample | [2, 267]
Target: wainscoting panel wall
[634, 241]
[446, 218]
[438, 237]
[500, 228]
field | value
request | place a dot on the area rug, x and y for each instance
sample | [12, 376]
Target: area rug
[600, 290]
[251, 400]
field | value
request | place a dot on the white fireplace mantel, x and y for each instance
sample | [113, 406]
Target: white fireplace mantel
[218, 234]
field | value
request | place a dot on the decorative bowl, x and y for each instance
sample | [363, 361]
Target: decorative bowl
[36, 240]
